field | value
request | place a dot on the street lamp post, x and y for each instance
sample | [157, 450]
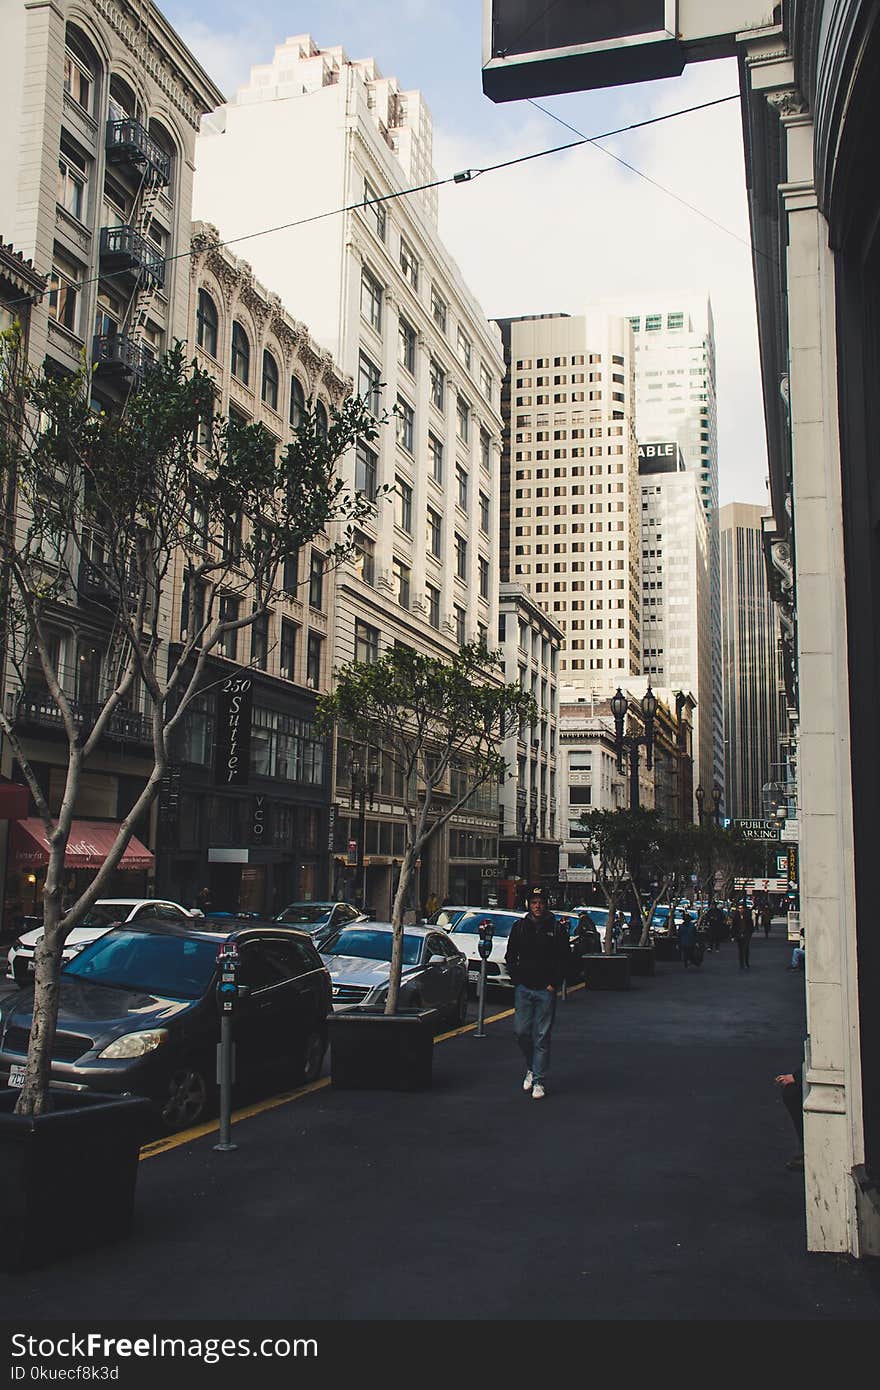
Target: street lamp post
[701, 796]
[528, 833]
[716, 805]
[632, 742]
[364, 781]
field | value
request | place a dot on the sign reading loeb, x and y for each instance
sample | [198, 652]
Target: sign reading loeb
[232, 762]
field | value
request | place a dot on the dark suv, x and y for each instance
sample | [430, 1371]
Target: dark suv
[138, 1014]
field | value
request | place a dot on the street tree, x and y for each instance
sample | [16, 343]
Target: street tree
[160, 486]
[614, 838]
[440, 723]
[722, 855]
[663, 855]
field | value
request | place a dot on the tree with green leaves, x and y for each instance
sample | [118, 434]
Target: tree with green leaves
[430, 717]
[723, 855]
[609, 836]
[162, 491]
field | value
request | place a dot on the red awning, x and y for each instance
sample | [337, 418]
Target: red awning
[14, 800]
[89, 844]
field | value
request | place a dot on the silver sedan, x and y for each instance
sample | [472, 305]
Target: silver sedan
[434, 972]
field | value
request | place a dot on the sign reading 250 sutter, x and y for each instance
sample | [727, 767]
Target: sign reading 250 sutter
[232, 762]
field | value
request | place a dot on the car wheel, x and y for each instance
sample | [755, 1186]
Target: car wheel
[313, 1056]
[188, 1098]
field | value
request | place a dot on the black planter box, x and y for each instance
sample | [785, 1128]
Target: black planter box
[607, 972]
[372, 1051]
[641, 959]
[665, 948]
[68, 1177]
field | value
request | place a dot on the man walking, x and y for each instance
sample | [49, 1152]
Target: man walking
[742, 927]
[538, 959]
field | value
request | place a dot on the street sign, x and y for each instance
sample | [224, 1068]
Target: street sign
[757, 829]
[762, 885]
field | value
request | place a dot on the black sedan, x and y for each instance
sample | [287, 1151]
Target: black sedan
[320, 920]
[138, 1014]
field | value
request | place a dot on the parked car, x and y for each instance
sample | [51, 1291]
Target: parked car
[465, 933]
[660, 922]
[100, 918]
[320, 920]
[434, 975]
[582, 928]
[138, 1014]
[446, 917]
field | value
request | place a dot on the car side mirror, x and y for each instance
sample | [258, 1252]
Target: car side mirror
[436, 960]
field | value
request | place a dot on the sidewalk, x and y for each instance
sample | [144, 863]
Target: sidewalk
[650, 1183]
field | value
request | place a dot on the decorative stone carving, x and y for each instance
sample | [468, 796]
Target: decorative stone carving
[788, 102]
[148, 58]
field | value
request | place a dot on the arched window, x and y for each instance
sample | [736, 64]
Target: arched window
[166, 144]
[270, 381]
[297, 403]
[321, 419]
[81, 69]
[123, 102]
[241, 353]
[206, 323]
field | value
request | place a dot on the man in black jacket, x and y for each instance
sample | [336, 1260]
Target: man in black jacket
[538, 959]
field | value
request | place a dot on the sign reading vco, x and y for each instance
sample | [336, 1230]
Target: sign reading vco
[232, 761]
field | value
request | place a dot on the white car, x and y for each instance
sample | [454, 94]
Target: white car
[465, 933]
[104, 914]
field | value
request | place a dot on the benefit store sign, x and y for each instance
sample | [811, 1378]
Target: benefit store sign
[232, 755]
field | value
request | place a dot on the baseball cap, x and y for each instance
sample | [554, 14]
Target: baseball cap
[537, 892]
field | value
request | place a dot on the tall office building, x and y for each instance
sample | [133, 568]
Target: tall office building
[380, 292]
[570, 485]
[676, 612]
[674, 340]
[754, 694]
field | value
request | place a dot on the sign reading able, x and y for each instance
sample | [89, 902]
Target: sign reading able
[232, 759]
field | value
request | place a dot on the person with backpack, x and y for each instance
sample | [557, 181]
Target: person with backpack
[538, 960]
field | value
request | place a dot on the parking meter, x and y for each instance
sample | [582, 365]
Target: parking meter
[227, 998]
[484, 946]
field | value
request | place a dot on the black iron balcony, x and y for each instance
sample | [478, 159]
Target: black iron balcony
[119, 354]
[37, 708]
[93, 583]
[123, 248]
[128, 142]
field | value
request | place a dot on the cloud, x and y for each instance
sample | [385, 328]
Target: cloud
[568, 230]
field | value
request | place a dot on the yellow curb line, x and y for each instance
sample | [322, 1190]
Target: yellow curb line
[187, 1136]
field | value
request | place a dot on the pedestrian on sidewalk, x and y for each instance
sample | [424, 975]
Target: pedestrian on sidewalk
[538, 959]
[716, 926]
[792, 1094]
[687, 938]
[742, 927]
[765, 919]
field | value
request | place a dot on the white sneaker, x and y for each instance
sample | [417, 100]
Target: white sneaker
[527, 1083]
[538, 1092]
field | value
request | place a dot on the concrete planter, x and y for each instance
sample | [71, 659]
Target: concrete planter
[68, 1177]
[641, 959]
[665, 949]
[370, 1051]
[607, 972]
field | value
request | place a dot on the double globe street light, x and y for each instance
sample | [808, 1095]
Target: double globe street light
[620, 704]
[716, 804]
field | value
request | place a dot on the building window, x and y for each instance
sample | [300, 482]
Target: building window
[288, 649]
[463, 414]
[460, 617]
[206, 324]
[401, 582]
[269, 391]
[438, 308]
[365, 557]
[374, 210]
[371, 299]
[464, 349]
[228, 611]
[241, 354]
[675, 320]
[365, 470]
[434, 532]
[483, 635]
[409, 263]
[435, 451]
[316, 580]
[484, 577]
[368, 384]
[314, 648]
[484, 513]
[485, 443]
[63, 291]
[486, 382]
[461, 478]
[297, 404]
[405, 420]
[78, 79]
[653, 322]
[406, 346]
[260, 641]
[290, 572]
[438, 384]
[72, 181]
[433, 604]
[403, 505]
[232, 536]
[366, 643]
[460, 556]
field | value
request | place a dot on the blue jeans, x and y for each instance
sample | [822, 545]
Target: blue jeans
[532, 1025]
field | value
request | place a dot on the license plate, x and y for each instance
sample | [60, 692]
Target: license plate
[473, 976]
[16, 1077]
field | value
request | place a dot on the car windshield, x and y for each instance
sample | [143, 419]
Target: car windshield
[105, 914]
[370, 944]
[174, 967]
[446, 916]
[469, 923]
[306, 914]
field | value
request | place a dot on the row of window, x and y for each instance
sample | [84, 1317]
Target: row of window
[258, 634]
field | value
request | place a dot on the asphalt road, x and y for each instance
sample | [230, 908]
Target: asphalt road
[650, 1183]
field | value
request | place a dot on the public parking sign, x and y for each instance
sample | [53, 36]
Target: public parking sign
[758, 829]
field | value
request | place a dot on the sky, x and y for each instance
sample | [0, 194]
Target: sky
[563, 232]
